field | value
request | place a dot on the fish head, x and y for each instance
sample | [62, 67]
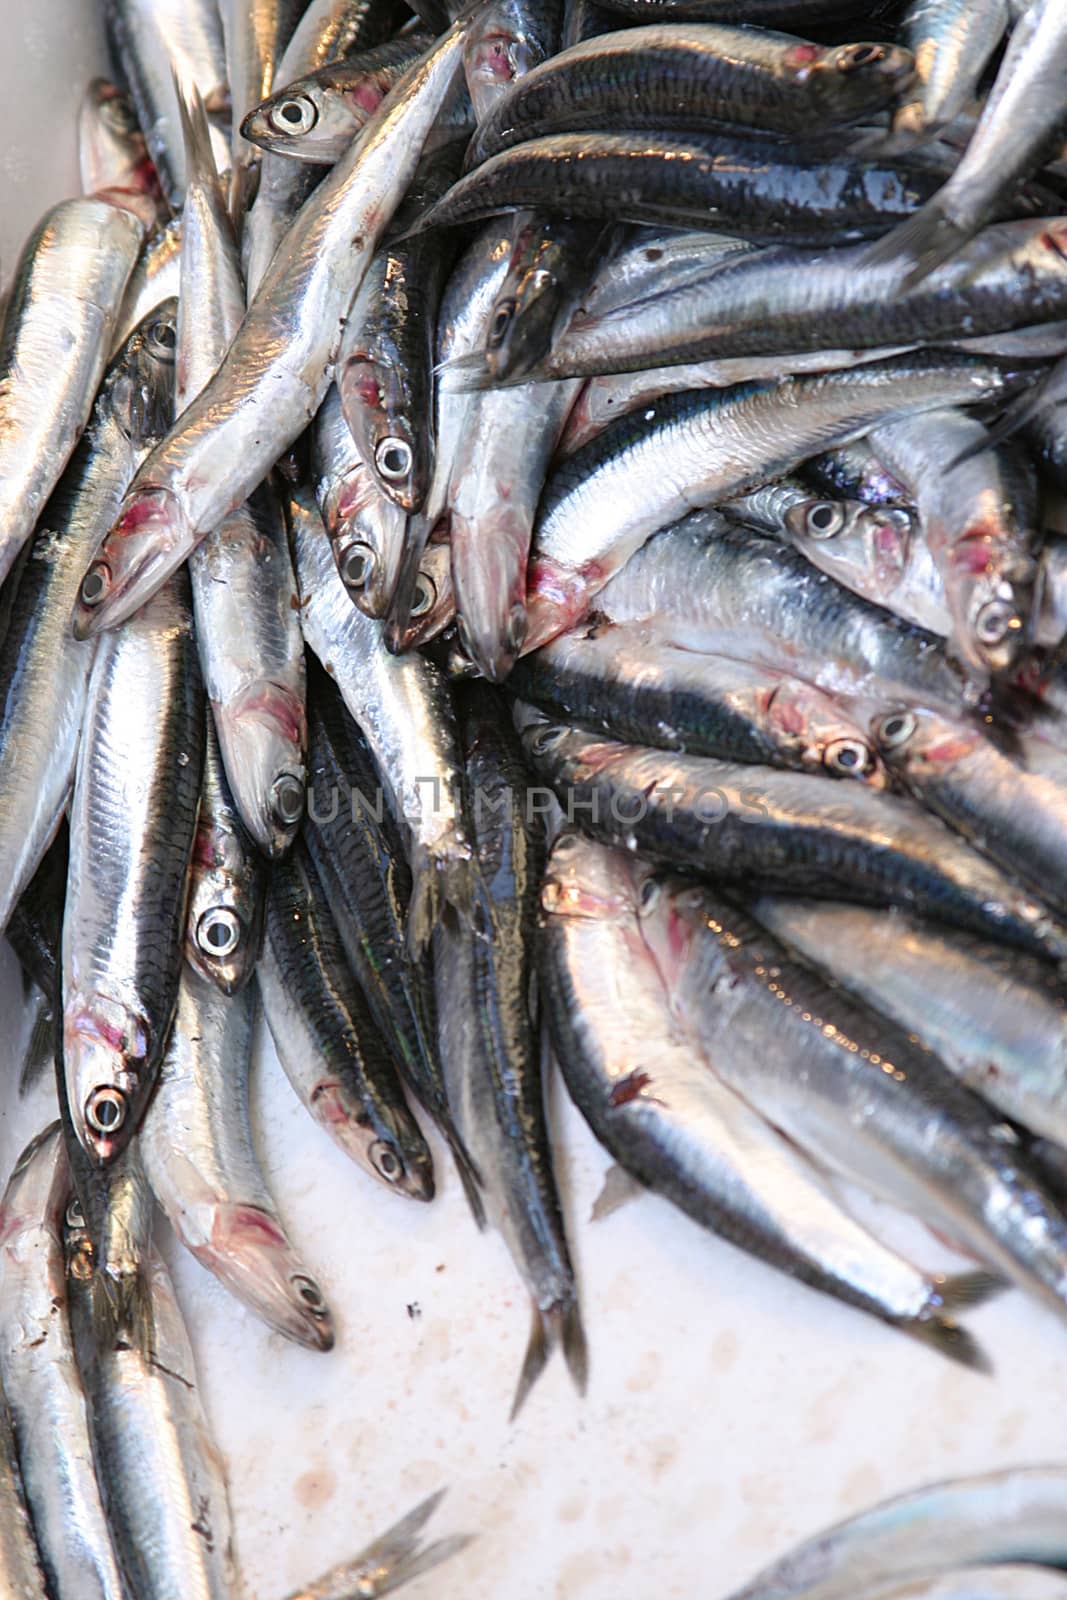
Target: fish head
[852, 80]
[248, 1249]
[295, 120]
[491, 591]
[263, 735]
[997, 592]
[107, 1063]
[823, 735]
[848, 537]
[433, 603]
[523, 318]
[366, 533]
[497, 51]
[139, 388]
[391, 1152]
[112, 149]
[915, 743]
[587, 880]
[149, 541]
[382, 418]
[224, 920]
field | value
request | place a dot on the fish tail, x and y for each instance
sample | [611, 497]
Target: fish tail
[921, 244]
[949, 1339]
[966, 1290]
[394, 1558]
[534, 1362]
[1023, 409]
[560, 1325]
[40, 1047]
[575, 1348]
[196, 134]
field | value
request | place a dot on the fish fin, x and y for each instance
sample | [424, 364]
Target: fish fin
[965, 1290]
[923, 243]
[196, 134]
[469, 368]
[394, 1558]
[1023, 409]
[618, 1188]
[575, 1348]
[469, 1176]
[534, 1362]
[949, 1339]
[398, 615]
[40, 1048]
[122, 1312]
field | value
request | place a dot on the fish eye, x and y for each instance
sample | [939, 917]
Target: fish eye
[218, 933]
[385, 1161]
[295, 114]
[310, 1294]
[357, 566]
[994, 621]
[425, 596]
[287, 800]
[105, 1111]
[393, 458]
[163, 338]
[503, 312]
[896, 729]
[543, 740]
[824, 519]
[847, 756]
[854, 57]
[649, 894]
[95, 584]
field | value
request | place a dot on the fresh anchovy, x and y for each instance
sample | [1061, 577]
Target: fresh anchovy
[433, 606]
[507, 40]
[622, 681]
[1018, 124]
[277, 370]
[707, 586]
[326, 1038]
[550, 269]
[48, 1408]
[695, 448]
[488, 1034]
[1000, 1517]
[385, 368]
[396, 1557]
[846, 1085]
[979, 519]
[357, 850]
[327, 30]
[1013, 814]
[159, 1468]
[853, 472]
[155, 279]
[227, 883]
[255, 32]
[401, 705]
[783, 830]
[951, 41]
[158, 43]
[244, 590]
[20, 1569]
[112, 152]
[80, 257]
[316, 117]
[44, 670]
[759, 189]
[133, 823]
[663, 1112]
[679, 75]
[199, 1157]
[498, 472]
[366, 530]
[784, 301]
[996, 1017]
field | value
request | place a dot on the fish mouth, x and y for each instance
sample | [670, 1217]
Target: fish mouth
[105, 1086]
[149, 541]
[250, 1253]
[262, 734]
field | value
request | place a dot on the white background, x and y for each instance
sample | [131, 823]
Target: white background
[729, 1411]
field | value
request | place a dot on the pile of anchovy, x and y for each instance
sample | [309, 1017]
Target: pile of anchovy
[527, 537]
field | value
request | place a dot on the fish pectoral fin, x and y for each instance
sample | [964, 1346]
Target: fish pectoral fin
[966, 1290]
[618, 1188]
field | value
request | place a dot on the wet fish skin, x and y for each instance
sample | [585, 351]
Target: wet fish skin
[131, 844]
[45, 672]
[485, 977]
[20, 1568]
[998, 1517]
[326, 1038]
[227, 884]
[1011, 810]
[649, 1092]
[278, 367]
[366, 530]
[155, 279]
[402, 706]
[852, 1089]
[695, 448]
[315, 117]
[951, 41]
[689, 75]
[995, 1017]
[506, 41]
[783, 830]
[161, 1472]
[623, 681]
[46, 1399]
[79, 256]
[200, 1159]
[112, 153]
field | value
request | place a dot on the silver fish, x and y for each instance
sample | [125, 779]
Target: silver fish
[199, 1156]
[366, 530]
[56, 339]
[951, 41]
[155, 279]
[227, 884]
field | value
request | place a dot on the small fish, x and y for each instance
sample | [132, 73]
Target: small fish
[227, 884]
[396, 1557]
